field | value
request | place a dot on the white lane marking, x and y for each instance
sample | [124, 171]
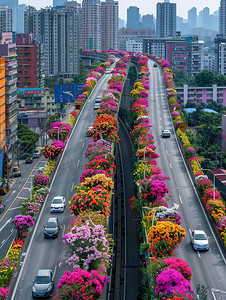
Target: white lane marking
[78, 163]
[180, 199]
[23, 198]
[16, 207]
[83, 145]
[167, 152]
[170, 165]
[72, 187]
[6, 223]
[27, 188]
[6, 240]
[213, 295]
[198, 254]
[13, 192]
[3, 241]
[54, 272]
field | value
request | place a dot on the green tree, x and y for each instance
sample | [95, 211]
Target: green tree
[205, 78]
[27, 139]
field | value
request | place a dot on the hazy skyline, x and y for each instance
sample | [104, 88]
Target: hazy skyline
[145, 6]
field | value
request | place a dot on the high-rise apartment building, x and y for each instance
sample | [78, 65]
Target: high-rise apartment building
[222, 25]
[30, 58]
[133, 18]
[148, 22]
[91, 25]
[166, 19]
[8, 51]
[6, 20]
[28, 19]
[109, 25]
[58, 30]
[192, 18]
[13, 4]
[58, 3]
[2, 104]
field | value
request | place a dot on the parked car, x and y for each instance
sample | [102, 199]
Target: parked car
[51, 228]
[154, 65]
[166, 133]
[43, 284]
[36, 154]
[16, 171]
[58, 204]
[199, 240]
[29, 160]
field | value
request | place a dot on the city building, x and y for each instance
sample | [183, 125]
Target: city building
[148, 22]
[166, 19]
[30, 58]
[222, 59]
[133, 18]
[222, 18]
[208, 62]
[2, 106]
[183, 53]
[28, 19]
[58, 3]
[31, 111]
[6, 21]
[198, 95]
[127, 34]
[58, 30]
[192, 18]
[8, 51]
[91, 25]
[109, 25]
[48, 101]
[13, 4]
[121, 23]
[134, 45]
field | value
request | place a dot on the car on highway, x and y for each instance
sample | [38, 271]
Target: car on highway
[98, 99]
[36, 154]
[108, 71]
[51, 228]
[166, 133]
[29, 160]
[43, 284]
[58, 204]
[16, 171]
[96, 106]
[154, 65]
[199, 240]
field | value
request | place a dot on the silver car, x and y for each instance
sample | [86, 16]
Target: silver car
[199, 240]
[166, 133]
[58, 204]
[43, 284]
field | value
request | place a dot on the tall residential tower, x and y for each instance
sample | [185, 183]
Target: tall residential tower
[166, 19]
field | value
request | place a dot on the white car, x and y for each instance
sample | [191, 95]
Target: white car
[108, 71]
[166, 133]
[58, 204]
[199, 240]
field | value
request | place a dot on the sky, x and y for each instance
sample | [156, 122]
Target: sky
[145, 6]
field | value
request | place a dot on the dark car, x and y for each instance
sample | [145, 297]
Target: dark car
[43, 284]
[155, 65]
[29, 160]
[52, 228]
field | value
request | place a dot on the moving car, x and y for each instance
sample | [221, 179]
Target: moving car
[16, 171]
[36, 154]
[154, 65]
[166, 133]
[108, 71]
[43, 284]
[98, 99]
[58, 204]
[96, 106]
[29, 160]
[199, 240]
[51, 228]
